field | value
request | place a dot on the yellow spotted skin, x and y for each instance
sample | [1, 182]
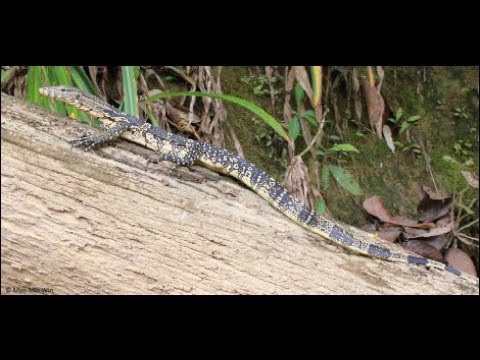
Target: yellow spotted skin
[183, 151]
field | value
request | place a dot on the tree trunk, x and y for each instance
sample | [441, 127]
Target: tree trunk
[108, 222]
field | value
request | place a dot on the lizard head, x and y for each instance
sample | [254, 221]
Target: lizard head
[63, 93]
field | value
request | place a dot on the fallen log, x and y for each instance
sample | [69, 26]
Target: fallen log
[108, 222]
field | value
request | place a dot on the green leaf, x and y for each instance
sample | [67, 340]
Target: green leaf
[325, 177]
[344, 147]
[404, 127]
[310, 116]
[129, 90]
[320, 208]
[398, 144]
[34, 82]
[299, 95]
[152, 118]
[5, 74]
[50, 79]
[258, 90]
[294, 128]
[465, 208]
[414, 118]
[398, 114]
[411, 147]
[450, 159]
[321, 152]
[61, 76]
[269, 119]
[345, 179]
[81, 80]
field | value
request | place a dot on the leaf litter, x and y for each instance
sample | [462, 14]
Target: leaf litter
[428, 236]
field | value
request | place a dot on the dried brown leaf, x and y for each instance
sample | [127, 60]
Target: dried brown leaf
[471, 178]
[424, 249]
[439, 242]
[404, 221]
[181, 113]
[432, 194]
[236, 142]
[387, 134]
[151, 72]
[94, 72]
[182, 74]
[389, 234]
[290, 79]
[297, 182]
[380, 121]
[443, 221]
[371, 76]
[460, 260]
[356, 94]
[381, 75]
[387, 111]
[374, 206]
[212, 126]
[370, 228]
[410, 232]
[303, 79]
[142, 84]
[426, 234]
[375, 106]
[269, 70]
[433, 205]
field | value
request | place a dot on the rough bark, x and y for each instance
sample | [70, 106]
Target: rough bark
[107, 222]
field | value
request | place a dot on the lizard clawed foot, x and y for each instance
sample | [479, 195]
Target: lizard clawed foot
[154, 159]
[88, 140]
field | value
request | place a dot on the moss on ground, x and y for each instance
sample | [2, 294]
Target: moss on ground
[446, 98]
[431, 92]
[245, 124]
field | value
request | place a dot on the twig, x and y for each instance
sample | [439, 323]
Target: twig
[428, 160]
[317, 135]
[462, 237]
[469, 224]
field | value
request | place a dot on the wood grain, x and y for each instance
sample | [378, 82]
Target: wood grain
[107, 222]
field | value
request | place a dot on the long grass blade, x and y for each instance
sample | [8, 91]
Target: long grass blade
[51, 80]
[34, 82]
[130, 101]
[64, 77]
[81, 79]
[257, 110]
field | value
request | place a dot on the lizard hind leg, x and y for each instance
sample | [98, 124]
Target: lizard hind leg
[177, 154]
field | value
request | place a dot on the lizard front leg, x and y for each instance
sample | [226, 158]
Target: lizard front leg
[90, 140]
